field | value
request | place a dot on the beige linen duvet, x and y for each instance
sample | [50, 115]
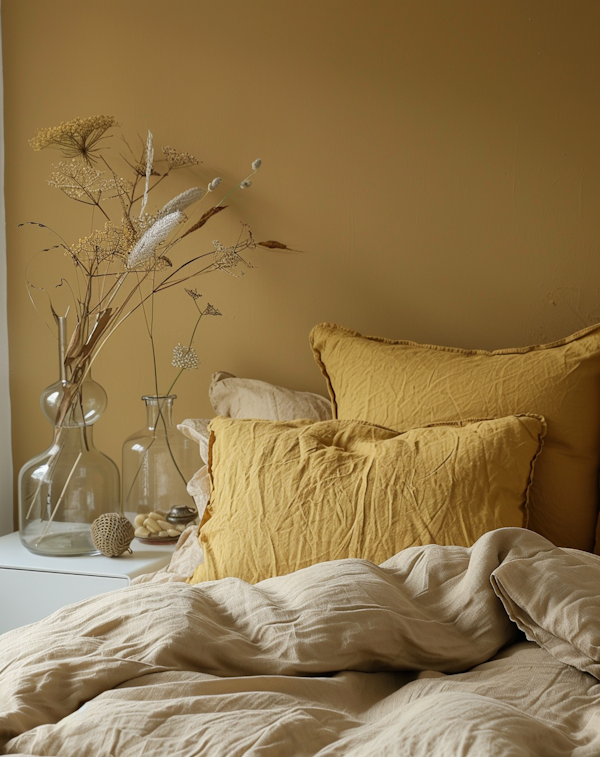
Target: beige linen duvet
[419, 656]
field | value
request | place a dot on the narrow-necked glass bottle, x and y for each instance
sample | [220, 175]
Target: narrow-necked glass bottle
[158, 461]
[66, 487]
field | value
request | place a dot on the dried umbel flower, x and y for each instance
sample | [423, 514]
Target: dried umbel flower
[211, 310]
[82, 182]
[193, 293]
[77, 138]
[140, 224]
[177, 159]
[226, 258]
[182, 201]
[256, 164]
[185, 358]
[102, 245]
[152, 238]
[214, 184]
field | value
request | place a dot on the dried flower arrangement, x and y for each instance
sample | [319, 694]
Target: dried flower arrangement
[117, 270]
[121, 267]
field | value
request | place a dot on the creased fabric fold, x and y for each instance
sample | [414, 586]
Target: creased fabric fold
[554, 598]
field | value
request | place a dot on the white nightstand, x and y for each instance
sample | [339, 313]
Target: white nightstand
[32, 586]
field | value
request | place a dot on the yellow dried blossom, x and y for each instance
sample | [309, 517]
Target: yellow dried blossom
[104, 245]
[141, 223]
[77, 138]
[116, 242]
[83, 182]
[177, 159]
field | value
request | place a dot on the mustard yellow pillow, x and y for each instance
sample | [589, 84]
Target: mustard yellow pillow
[402, 384]
[287, 494]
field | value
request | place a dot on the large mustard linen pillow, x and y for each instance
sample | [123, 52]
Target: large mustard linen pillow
[401, 384]
[288, 494]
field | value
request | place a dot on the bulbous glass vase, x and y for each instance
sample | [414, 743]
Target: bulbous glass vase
[158, 461]
[64, 489]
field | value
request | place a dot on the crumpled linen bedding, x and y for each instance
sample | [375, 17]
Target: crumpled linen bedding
[491, 650]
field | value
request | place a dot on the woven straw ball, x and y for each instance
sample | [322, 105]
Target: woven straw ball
[112, 534]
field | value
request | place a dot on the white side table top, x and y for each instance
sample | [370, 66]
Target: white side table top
[145, 559]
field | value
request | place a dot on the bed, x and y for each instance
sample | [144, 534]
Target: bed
[408, 569]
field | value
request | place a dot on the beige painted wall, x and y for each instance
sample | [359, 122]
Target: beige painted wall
[438, 163]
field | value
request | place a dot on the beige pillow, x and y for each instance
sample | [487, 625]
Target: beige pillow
[234, 397]
[289, 494]
[402, 384]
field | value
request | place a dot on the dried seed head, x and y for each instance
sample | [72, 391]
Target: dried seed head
[77, 138]
[108, 244]
[193, 293]
[245, 184]
[177, 159]
[211, 310]
[257, 164]
[182, 201]
[214, 184]
[83, 182]
[185, 357]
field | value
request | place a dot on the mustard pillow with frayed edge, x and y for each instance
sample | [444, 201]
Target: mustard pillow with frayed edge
[401, 384]
[288, 494]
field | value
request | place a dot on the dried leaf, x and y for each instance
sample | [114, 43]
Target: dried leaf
[206, 217]
[75, 345]
[99, 327]
[161, 263]
[271, 244]
[78, 351]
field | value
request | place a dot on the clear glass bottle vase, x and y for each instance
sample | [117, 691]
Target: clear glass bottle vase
[66, 487]
[158, 461]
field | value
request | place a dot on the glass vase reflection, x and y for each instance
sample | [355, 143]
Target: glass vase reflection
[64, 489]
[158, 461]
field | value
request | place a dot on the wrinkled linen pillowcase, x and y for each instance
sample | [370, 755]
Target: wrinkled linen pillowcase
[402, 384]
[289, 494]
[233, 397]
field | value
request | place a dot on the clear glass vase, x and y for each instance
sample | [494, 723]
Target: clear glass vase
[158, 461]
[64, 489]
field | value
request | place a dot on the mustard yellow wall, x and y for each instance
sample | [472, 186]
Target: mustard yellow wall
[437, 162]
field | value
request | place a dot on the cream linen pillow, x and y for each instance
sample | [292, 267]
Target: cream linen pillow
[289, 494]
[234, 397]
[402, 384]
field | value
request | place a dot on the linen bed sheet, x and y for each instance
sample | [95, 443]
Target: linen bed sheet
[488, 650]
